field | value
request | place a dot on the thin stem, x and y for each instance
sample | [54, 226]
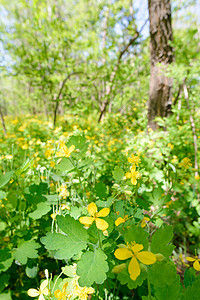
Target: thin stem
[100, 245]
[149, 286]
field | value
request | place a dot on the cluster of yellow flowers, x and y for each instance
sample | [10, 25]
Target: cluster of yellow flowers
[186, 163]
[133, 174]
[66, 292]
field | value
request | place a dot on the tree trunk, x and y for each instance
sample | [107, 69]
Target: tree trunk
[2, 121]
[160, 92]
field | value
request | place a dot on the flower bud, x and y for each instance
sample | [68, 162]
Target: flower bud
[119, 268]
[159, 257]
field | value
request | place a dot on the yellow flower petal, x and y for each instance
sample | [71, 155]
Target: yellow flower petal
[41, 297]
[60, 154]
[123, 253]
[43, 285]
[137, 247]
[128, 175]
[133, 181]
[103, 212]
[101, 224]
[57, 293]
[45, 291]
[119, 221]
[190, 258]
[71, 149]
[134, 268]
[86, 220]
[146, 257]
[196, 265]
[33, 293]
[92, 208]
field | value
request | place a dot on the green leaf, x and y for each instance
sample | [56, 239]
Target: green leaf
[162, 273]
[31, 272]
[5, 296]
[69, 270]
[165, 280]
[77, 141]
[26, 250]
[66, 246]
[189, 277]
[5, 178]
[148, 298]
[192, 292]
[92, 268]
[23, 168]
[42, 209]
[100, 189]
[52, 199]
[12, 200]
[4, 281]
[138, 235]
[2, 195]
[5, 254]
[118, 174]
[65, 165]
[161, 241]
[124, 278]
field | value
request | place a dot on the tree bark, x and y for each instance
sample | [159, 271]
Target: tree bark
[160, 92]
[3, 122]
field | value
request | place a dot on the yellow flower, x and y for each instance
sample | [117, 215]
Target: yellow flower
[63, 192]
[66, 152]
[196, 264]
[134, 175]
[8, 156]
[81, 292]
[144, 222]
[134, 159]
[62, 295]
[92, 209]
[181, 258]
[43, 290]
[133, 251]
[186, 163]
[120, 220]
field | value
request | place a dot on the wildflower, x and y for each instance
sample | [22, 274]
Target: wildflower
[65, 206]
[186, 163]
[43, 290]
[81, 292]
[134, 159]
[63, 192]
[144, 222]
[181, 258]
[8, 156]
[62, 295]
[196, 264]
[134, 175]
[120, 220]
[66, 152]
[133, 251]
[95, 216]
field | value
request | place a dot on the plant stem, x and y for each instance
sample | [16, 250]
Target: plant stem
[149, 286]
[100, 245]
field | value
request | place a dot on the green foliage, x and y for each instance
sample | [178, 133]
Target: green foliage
[192, 291]
[25, 250]
[68, 245]
[92, 268]
[161, 239]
